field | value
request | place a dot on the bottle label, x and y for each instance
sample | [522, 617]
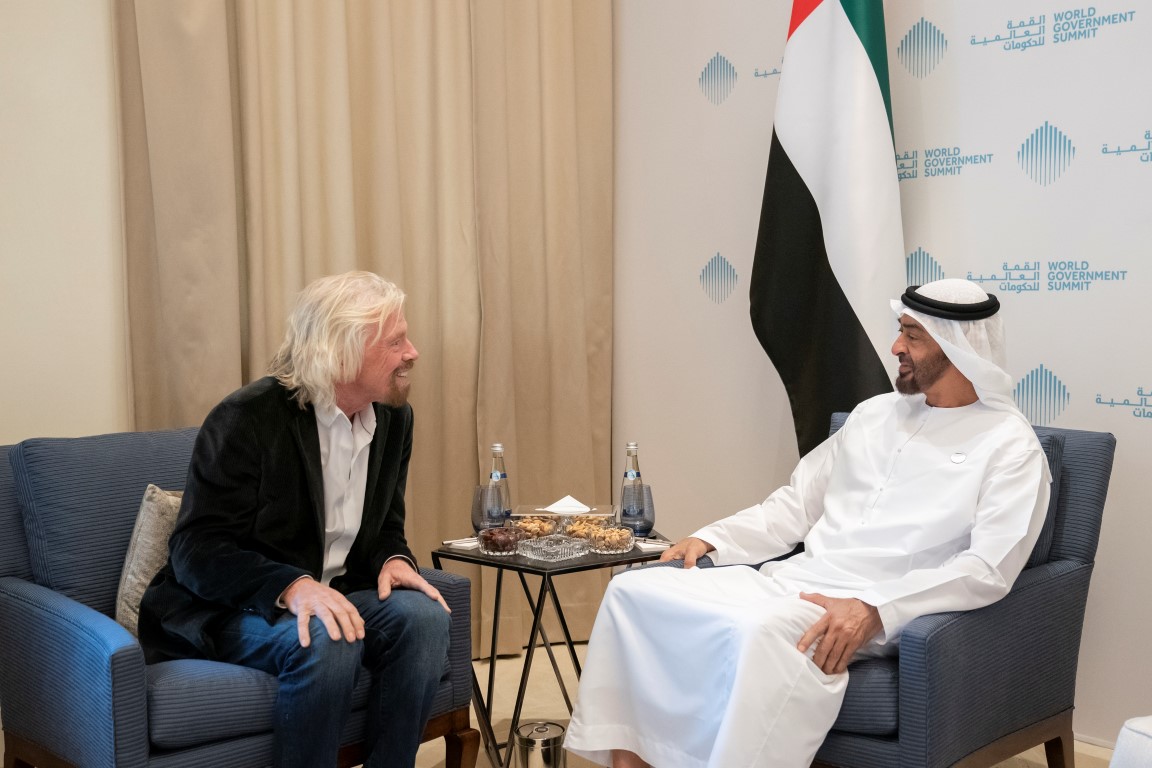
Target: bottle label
[632, 474]
[499, 475]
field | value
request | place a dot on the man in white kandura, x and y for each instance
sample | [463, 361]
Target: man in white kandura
[929, 499]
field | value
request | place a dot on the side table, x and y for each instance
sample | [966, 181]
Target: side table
[547, 571]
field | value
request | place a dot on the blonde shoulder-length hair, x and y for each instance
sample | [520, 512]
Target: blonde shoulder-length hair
[333, 320]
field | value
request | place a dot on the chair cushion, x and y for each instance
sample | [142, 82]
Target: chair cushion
[147, 551]
[871, 703]
[194, 701]
[1053, 445]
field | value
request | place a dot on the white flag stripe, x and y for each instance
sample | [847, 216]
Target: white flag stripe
[831, 121]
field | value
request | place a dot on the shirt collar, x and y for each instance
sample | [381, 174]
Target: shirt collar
[327, 415]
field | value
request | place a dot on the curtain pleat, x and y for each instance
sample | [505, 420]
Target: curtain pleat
[183, 254]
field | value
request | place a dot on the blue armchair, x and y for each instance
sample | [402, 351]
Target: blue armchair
[975, 688]
[74, 688]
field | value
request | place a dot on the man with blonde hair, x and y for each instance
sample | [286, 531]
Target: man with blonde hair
[289, 552]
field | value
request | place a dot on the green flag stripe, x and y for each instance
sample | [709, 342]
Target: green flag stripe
[867, 18]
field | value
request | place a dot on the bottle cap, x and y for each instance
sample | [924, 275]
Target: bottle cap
[631, 445]
[498, 447]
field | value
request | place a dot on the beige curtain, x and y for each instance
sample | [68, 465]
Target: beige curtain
[542, 84]
[463, 150]
[182, 209]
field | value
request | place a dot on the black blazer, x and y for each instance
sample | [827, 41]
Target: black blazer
[252, 518]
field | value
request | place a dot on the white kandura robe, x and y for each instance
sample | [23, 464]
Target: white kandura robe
[912, 509]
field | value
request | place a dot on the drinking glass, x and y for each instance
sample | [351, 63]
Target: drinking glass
[637, 510]
[487, 508]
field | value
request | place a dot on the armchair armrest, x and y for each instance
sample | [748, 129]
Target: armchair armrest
[704, 561]
[1003, 667]
[71, 679]
[457, 592]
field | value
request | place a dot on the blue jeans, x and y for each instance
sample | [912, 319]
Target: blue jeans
[404, 647]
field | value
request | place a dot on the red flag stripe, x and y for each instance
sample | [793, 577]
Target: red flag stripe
[800, 11]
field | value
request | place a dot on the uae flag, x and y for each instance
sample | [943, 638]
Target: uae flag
[830, 253]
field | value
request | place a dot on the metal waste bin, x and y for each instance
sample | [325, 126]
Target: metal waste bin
[538, 745]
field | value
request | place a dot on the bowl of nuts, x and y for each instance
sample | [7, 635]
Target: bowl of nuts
[535, 526]
[610, 540]
[500, 541]
[582, 526]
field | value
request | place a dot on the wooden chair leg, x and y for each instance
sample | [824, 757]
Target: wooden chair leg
[21, 753]
[1055, 733]
[461, 749]
[1061, 751]
[461, 741]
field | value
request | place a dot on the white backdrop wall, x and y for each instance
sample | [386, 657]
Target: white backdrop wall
[1024, 138]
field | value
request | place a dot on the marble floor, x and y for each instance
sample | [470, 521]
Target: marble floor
[543, 701]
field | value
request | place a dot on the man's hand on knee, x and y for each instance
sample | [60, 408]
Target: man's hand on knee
[689, 550]
[307, 598]
[398, 572]
[846, 625]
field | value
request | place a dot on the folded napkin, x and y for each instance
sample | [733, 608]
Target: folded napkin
[469, 543]
[647, 545]
[567, 506]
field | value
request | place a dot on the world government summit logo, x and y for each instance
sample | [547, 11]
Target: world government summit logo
[921, 268]
[1072, 25]
[922, 48]
[1041, 396]
[1138, 405]
[718, 279]
[1046, 154]
[717, 79]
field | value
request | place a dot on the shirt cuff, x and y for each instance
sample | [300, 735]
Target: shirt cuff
[889, 619]
[406, 559]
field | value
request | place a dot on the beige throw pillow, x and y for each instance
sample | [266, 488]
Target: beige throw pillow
[147, 551]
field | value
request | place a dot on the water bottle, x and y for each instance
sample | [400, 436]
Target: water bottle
[635, 498]
[499, 496]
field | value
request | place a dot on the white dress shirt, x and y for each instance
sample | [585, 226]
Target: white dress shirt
[344, 449]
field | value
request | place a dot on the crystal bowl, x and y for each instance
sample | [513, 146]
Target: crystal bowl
[535, 526]
[581, 526]
[502, 542]
[610, 540]
[553, 548]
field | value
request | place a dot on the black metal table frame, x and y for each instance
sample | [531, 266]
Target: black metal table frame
[546, 571]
